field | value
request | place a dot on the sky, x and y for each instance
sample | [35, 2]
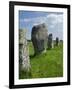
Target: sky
[53, 21]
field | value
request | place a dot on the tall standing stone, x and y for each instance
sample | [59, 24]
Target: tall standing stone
[24, 61]
[39, 38]
[50, 41]
[57, 41]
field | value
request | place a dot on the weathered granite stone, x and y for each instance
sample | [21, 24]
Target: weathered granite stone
[57, 41]
[39, 38]
[24, 61]
[50, 41]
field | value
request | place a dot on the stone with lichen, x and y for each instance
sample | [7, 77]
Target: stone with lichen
[24, 60]
[39, 38]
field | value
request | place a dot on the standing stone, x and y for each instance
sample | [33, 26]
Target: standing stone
[57, 41]
[39, 38]
[61, 41]
[24, 61]
[50, 41]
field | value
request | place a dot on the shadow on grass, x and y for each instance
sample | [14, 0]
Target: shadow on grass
[35, 55]
[32, 56]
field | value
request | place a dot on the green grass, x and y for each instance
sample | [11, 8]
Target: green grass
[49, 64]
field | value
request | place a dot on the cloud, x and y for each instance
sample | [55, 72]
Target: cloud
[55, 19]
[25, 20]
[52, 26]
[50, 19]
[35, 20]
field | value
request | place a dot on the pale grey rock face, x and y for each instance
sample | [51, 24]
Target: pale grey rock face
[57, 41]
[39, 38]
[50, 41]
[24, 61]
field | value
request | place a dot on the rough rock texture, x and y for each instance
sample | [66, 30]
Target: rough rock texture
[50, 41]
[24, 61]
[57, 41]
[39, 38]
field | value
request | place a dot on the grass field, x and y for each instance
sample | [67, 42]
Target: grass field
[49, 64]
